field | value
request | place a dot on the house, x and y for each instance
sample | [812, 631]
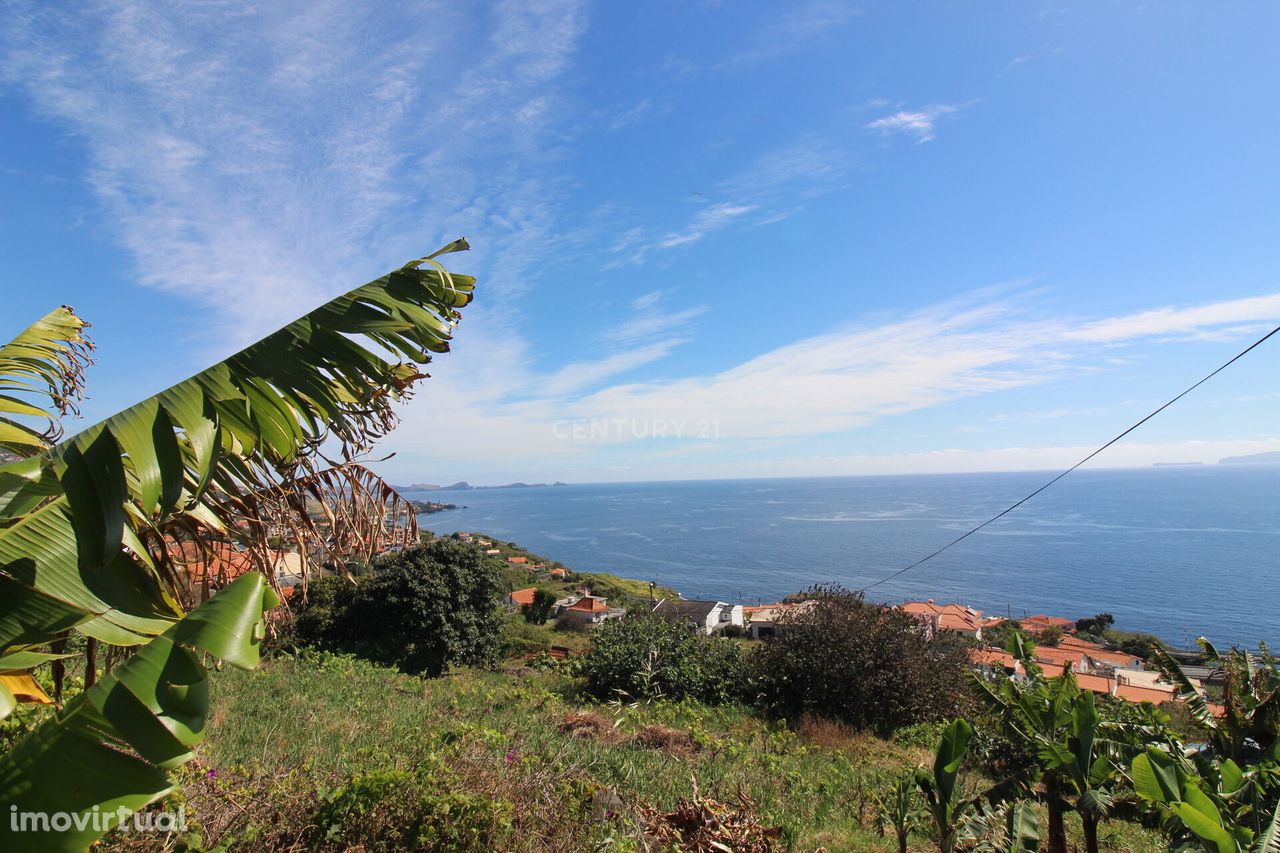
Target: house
[946, 617]
[492, 552]
[520, 597]
[1040, 623]
[767, 620]
[518, 561]
[558, 573]
[706, 616]
[591, 609]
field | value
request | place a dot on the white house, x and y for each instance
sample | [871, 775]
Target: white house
[707, 616]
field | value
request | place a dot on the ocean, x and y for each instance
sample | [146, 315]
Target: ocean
[1176, 551]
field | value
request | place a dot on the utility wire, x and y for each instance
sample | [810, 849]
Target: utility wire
[1010, 509]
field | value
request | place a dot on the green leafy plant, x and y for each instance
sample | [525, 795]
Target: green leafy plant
[95, 529]
[1060, 724]
[940, 786]
[1219, 815]
[899, 810]
[1250, 718]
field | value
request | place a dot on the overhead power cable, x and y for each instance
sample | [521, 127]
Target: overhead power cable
[1011, 508]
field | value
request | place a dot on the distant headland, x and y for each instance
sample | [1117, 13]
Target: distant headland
[1270, 457]
[464, 486]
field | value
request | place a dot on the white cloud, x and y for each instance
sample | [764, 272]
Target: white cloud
[791, 30]
[919, 123]
[250, 157]
[709, 219]
[777, 400]
[1230, 319]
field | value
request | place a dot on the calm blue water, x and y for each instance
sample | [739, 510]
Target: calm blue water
[1174, 551]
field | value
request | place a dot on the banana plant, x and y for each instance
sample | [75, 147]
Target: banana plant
[1249, 720]
[1010, 828]
[949, 810]
[105, 754]
[248, 452]
[1219, 815]
[941, 785]
[899, 810]
[1059, 723]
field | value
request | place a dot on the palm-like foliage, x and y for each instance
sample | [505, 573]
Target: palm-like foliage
[1250, 718]
[1060, 723]
[261, 447]
[1223, 811]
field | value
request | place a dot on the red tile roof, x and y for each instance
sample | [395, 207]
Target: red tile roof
[993, 657]
[1040, 622]
[949, 617]
[589, 604]
[517, 559]
[1130, 693]
[523, 596]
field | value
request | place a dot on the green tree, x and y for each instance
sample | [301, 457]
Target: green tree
[1097, 625]
[425, 608]
[866, 665]
[91, 526]
[538, 611]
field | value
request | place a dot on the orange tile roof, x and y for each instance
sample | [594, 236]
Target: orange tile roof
[1130, 693]
[589, 604]
[1040, 622]
[557, 573]
[517, 559]
[950, 617]
[993, 657]
[523, 596]
[1096, 683]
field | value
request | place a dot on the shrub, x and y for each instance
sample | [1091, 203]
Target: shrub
[327, 598]
[521, 639]
[645, 656]
[869, 666]
[391, 810]
[421, 609]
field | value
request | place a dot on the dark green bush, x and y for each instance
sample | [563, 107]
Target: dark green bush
[421, 609]
[644, 657]
[863, 664]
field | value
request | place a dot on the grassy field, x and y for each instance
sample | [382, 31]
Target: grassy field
[318, 752]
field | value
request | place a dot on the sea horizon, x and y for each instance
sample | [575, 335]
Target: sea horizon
[1164, 548]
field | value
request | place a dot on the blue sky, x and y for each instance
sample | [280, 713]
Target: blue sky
[714, 239]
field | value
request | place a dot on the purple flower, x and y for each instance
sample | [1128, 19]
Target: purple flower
[608, 815]
[511, 755]
[212, 774]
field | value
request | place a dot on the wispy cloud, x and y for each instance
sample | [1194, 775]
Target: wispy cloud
[791, 30]
[920, 123]
[825, 385]
[251, 157]
[1229, 319]
[709, 219]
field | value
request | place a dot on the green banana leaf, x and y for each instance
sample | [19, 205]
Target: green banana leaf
[74, 515]
[110, 746]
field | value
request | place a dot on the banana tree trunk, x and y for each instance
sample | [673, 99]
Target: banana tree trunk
[90, 662]
[1090, 823]
[1057, 832]
[902, 842]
